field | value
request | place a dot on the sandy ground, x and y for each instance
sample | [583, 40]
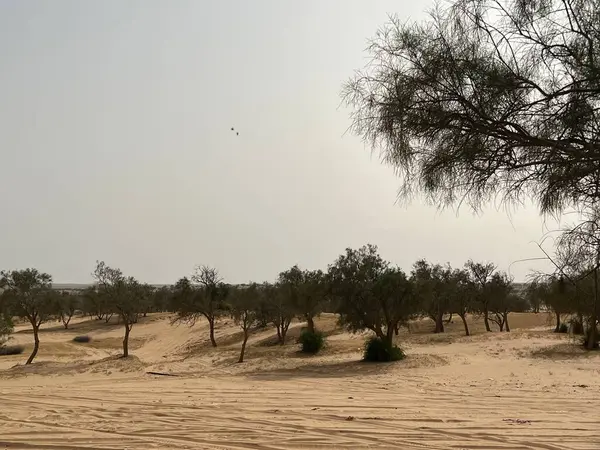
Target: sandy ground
[527, 389]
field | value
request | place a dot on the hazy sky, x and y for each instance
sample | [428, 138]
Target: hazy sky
[115, 143]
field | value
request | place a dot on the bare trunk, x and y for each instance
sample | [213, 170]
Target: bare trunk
[388, 338]
[439, 323]
[506, 326]
[557, 329]
[211, 325]
[66, 320]
[449, 319]
[36, 343]
[283, 335]
[592, 338]
[126, 341]
[310, 323]
[279, 334]
[466, 325]
[241, 360]
[486, 320]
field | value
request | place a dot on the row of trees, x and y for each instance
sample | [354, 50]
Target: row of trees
[367, 292]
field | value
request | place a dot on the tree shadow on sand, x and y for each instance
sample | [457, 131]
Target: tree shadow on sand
[354, 368]
[562, 351]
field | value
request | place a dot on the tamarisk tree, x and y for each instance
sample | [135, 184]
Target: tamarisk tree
[28, 295]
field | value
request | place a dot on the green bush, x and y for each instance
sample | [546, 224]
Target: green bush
[377, 350]
[311, 342]
[564, 328]
[82, 339]
[7, 350]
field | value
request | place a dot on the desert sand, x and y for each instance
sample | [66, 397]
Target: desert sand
[527, 389]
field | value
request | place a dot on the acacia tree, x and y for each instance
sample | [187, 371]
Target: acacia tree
[280, 307]
[489, 98]
[501, 300]
[534, 293]
[214, 293]
[125, 294]
[461, 292]
[66, 305]
[313, 293]
[202, 296]
[371, 294]
[244, 309]
[432, 291]
[306, 291]
[28, 295]
[481, 274]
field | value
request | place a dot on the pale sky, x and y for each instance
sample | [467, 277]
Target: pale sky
[115, 143]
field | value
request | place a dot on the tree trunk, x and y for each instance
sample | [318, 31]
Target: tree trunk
[278, 334]
[506, 326]
[557, 329]
[241, 360]
[36, 343]
[439, 323]
[388, 338]
[126, 341]
[397, 329]
[449, 320]
[310, 323]
[283, 334]
[594, 319]
[464, 321]
[486, 320]
[211, 325]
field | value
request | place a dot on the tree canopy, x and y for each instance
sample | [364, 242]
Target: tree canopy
[486, 98]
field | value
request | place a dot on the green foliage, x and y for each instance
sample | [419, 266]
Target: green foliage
[369, 293]
[311, 341]
[6, 327]
[378, 350]
[65, 306]
[7, 350]
[82, 339]
[28, 294]
[279, 305]
[205, 295]
[306, 292]
[477, 104]
[125, 295]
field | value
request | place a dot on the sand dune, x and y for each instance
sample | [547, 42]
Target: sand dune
[528, 389]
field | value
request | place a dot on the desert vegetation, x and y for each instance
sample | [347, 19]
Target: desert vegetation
[365, 292]
[487, 99]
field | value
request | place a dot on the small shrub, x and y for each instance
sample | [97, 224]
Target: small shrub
[82, 339]
[377, 350]
[311, 342]
[564, 328]
[7, 350]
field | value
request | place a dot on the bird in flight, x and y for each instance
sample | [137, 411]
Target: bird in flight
[237, 133]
